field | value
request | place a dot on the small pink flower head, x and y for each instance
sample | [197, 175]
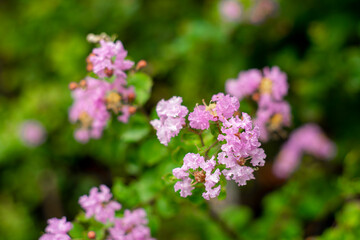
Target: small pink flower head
[57, 229]
[226, 105]
[131, 226]
[307, 139]
[109, 59]
[90, 109]
[230, 10]
[245, 85]
[241, 144]
[200, 117]
[201, 170]
[32, 133]
[273, 118]
[262, 10]
[279, 85]
[172, 118]
[98, 204]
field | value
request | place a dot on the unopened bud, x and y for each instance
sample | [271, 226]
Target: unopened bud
[131, 96]
[109, 72]
[141, 64]
[88, 58]
[91, 235]
[83, 83]
[132, 109]
[256, 97]
[89, 67]
[73, 86]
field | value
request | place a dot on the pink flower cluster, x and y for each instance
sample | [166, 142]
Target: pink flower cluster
[172, 118]
[202, 171]
[238, 139]
[95, 99]
[241, 145]
[132, 226]
[57, 229]
[268, 88]
[98, 204]
[307, 139]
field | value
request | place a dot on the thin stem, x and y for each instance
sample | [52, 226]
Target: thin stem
[210, 147]
[199, 134]
[214, 216]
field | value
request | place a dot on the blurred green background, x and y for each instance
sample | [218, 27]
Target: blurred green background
[191, 51]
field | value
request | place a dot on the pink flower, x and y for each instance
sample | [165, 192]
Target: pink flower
[245, 85]
[230, 10]
[241, 144]
[32, 133]
[57, 229]
[273, 118]
[272, 85]
[90, 109]
[132, 226]
[199, 118]
[226, 105]
[172, 118]
[307, 139]
[98, 204]
[109, 59]
[201, 170]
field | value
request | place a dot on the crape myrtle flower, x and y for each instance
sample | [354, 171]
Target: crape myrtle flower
[273, 118]
[32, 133]
[132, 226]
[93, 103]
[109, 59]
[308, 139]
[269, 85]
[238, 140]
[172, 118]
[268, 88]
[57, 229]
[221, 108]
[89, 109]
[241, 145]
[201, 171]
[99, 204]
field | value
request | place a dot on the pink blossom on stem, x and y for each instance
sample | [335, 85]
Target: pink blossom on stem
[202, 173]
[172, 118]
[57, 229]
[89, 109]
[245, 85]
[307, 139]
[132, 226]
[200, 117]
[109, 59]
[99, 204]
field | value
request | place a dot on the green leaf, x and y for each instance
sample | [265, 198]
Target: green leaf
[152, 151]
[136, 129]
[142, 84]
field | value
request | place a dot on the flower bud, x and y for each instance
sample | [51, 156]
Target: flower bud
[83, 83]
[141, 64]
[73, 86]
[91, 235]
[131, 97]
[109, 72]
[132, 109]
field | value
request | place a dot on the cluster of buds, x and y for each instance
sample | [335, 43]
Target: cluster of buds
[268, 88]
[236, 140]
[95, 99]
[133, 224]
